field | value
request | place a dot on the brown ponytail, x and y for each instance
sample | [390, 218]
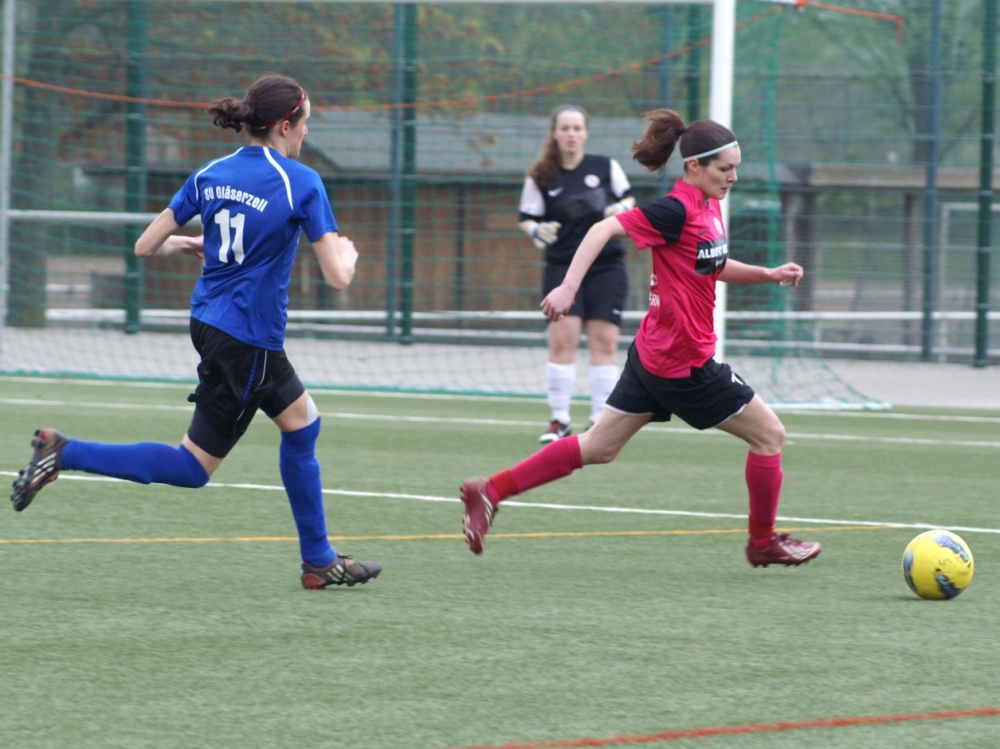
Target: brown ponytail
[665, 129]
[653, 149]
[268, 101]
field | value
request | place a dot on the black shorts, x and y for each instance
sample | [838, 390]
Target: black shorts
[712, 393]
[601, 295]
[234, 380]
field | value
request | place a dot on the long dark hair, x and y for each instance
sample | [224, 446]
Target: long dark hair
[548, 163]
[665, 129]
[268, 101]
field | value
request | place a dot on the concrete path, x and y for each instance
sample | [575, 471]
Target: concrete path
[923, 384]
[106, 352]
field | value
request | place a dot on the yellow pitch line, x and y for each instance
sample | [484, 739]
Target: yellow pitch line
[415, 537]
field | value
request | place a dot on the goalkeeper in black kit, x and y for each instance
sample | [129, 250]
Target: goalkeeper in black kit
[566, 192]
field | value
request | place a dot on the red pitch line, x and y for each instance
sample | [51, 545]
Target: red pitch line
[699, 733]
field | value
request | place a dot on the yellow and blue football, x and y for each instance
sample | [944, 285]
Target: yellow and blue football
[937, 565]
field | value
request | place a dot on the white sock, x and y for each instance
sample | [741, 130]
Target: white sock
[603, 379]
[562, 380]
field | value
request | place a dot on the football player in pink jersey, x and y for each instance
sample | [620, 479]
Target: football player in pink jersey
[670, 367]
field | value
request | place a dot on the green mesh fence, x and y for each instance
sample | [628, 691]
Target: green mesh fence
[425, 119]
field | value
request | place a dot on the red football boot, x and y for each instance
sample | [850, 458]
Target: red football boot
[479, 513]
[783, 550]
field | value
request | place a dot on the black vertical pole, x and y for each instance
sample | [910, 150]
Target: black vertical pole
[666, 73]
[930, 194]
[694, 70]
[135, 154]
[986, 183]
[409, 184]
[395, 172]
[458, 282]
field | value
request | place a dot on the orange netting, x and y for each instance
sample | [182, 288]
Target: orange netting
[444, 103]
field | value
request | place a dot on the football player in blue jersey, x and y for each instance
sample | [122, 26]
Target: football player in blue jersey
[566, 191]
[254, 204]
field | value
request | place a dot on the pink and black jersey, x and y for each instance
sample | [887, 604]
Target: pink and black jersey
[689, 246]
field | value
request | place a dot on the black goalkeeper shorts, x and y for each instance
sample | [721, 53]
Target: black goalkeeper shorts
[602, 294]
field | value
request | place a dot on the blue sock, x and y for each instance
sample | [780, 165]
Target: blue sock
[144, 462]
[300, 474]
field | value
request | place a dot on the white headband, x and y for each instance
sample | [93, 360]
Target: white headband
[713, 151]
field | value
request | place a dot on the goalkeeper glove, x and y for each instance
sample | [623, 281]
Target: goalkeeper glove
[544, 234]
[614, 209]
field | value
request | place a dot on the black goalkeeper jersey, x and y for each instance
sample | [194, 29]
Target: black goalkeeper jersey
[576, 198]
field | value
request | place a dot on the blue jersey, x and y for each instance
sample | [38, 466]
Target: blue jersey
[253, 204]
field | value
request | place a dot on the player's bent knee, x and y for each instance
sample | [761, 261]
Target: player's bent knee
[771, 439]
[312, 413]
[192, 475]
[777, 435]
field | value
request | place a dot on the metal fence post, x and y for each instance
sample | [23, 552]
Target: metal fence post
[135, 155]
[6, 140]
[395, 172]
[986, 183]
[930, 195]
[409, 184]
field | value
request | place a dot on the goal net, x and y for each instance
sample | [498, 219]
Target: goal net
[425, 120]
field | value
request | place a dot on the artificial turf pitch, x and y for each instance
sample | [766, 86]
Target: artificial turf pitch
[148, 616]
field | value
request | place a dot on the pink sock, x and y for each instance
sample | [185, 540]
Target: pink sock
[554, 461]
[764, 476]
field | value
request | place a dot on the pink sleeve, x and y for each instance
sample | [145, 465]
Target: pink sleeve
[639, 229]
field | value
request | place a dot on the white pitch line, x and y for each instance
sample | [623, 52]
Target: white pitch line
[190, 385]
[899, 416]
[92, 404]
[527, 398]
[513, 423]
[551, 506]
[889, 440]
[144, 384]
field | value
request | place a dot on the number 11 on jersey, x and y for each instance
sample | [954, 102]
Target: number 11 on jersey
[231, 229]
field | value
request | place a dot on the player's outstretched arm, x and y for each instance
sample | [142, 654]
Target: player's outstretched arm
[337, 259]
[156, 234]
[178, 243]
[788, 274]
[560, 299]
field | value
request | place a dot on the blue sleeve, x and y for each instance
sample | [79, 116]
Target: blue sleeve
[185, 203]
[317, 214]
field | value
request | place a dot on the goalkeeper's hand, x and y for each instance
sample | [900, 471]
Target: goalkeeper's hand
[626, 204]
[545, 233]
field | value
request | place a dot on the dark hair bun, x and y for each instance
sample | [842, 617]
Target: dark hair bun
[231, 113]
